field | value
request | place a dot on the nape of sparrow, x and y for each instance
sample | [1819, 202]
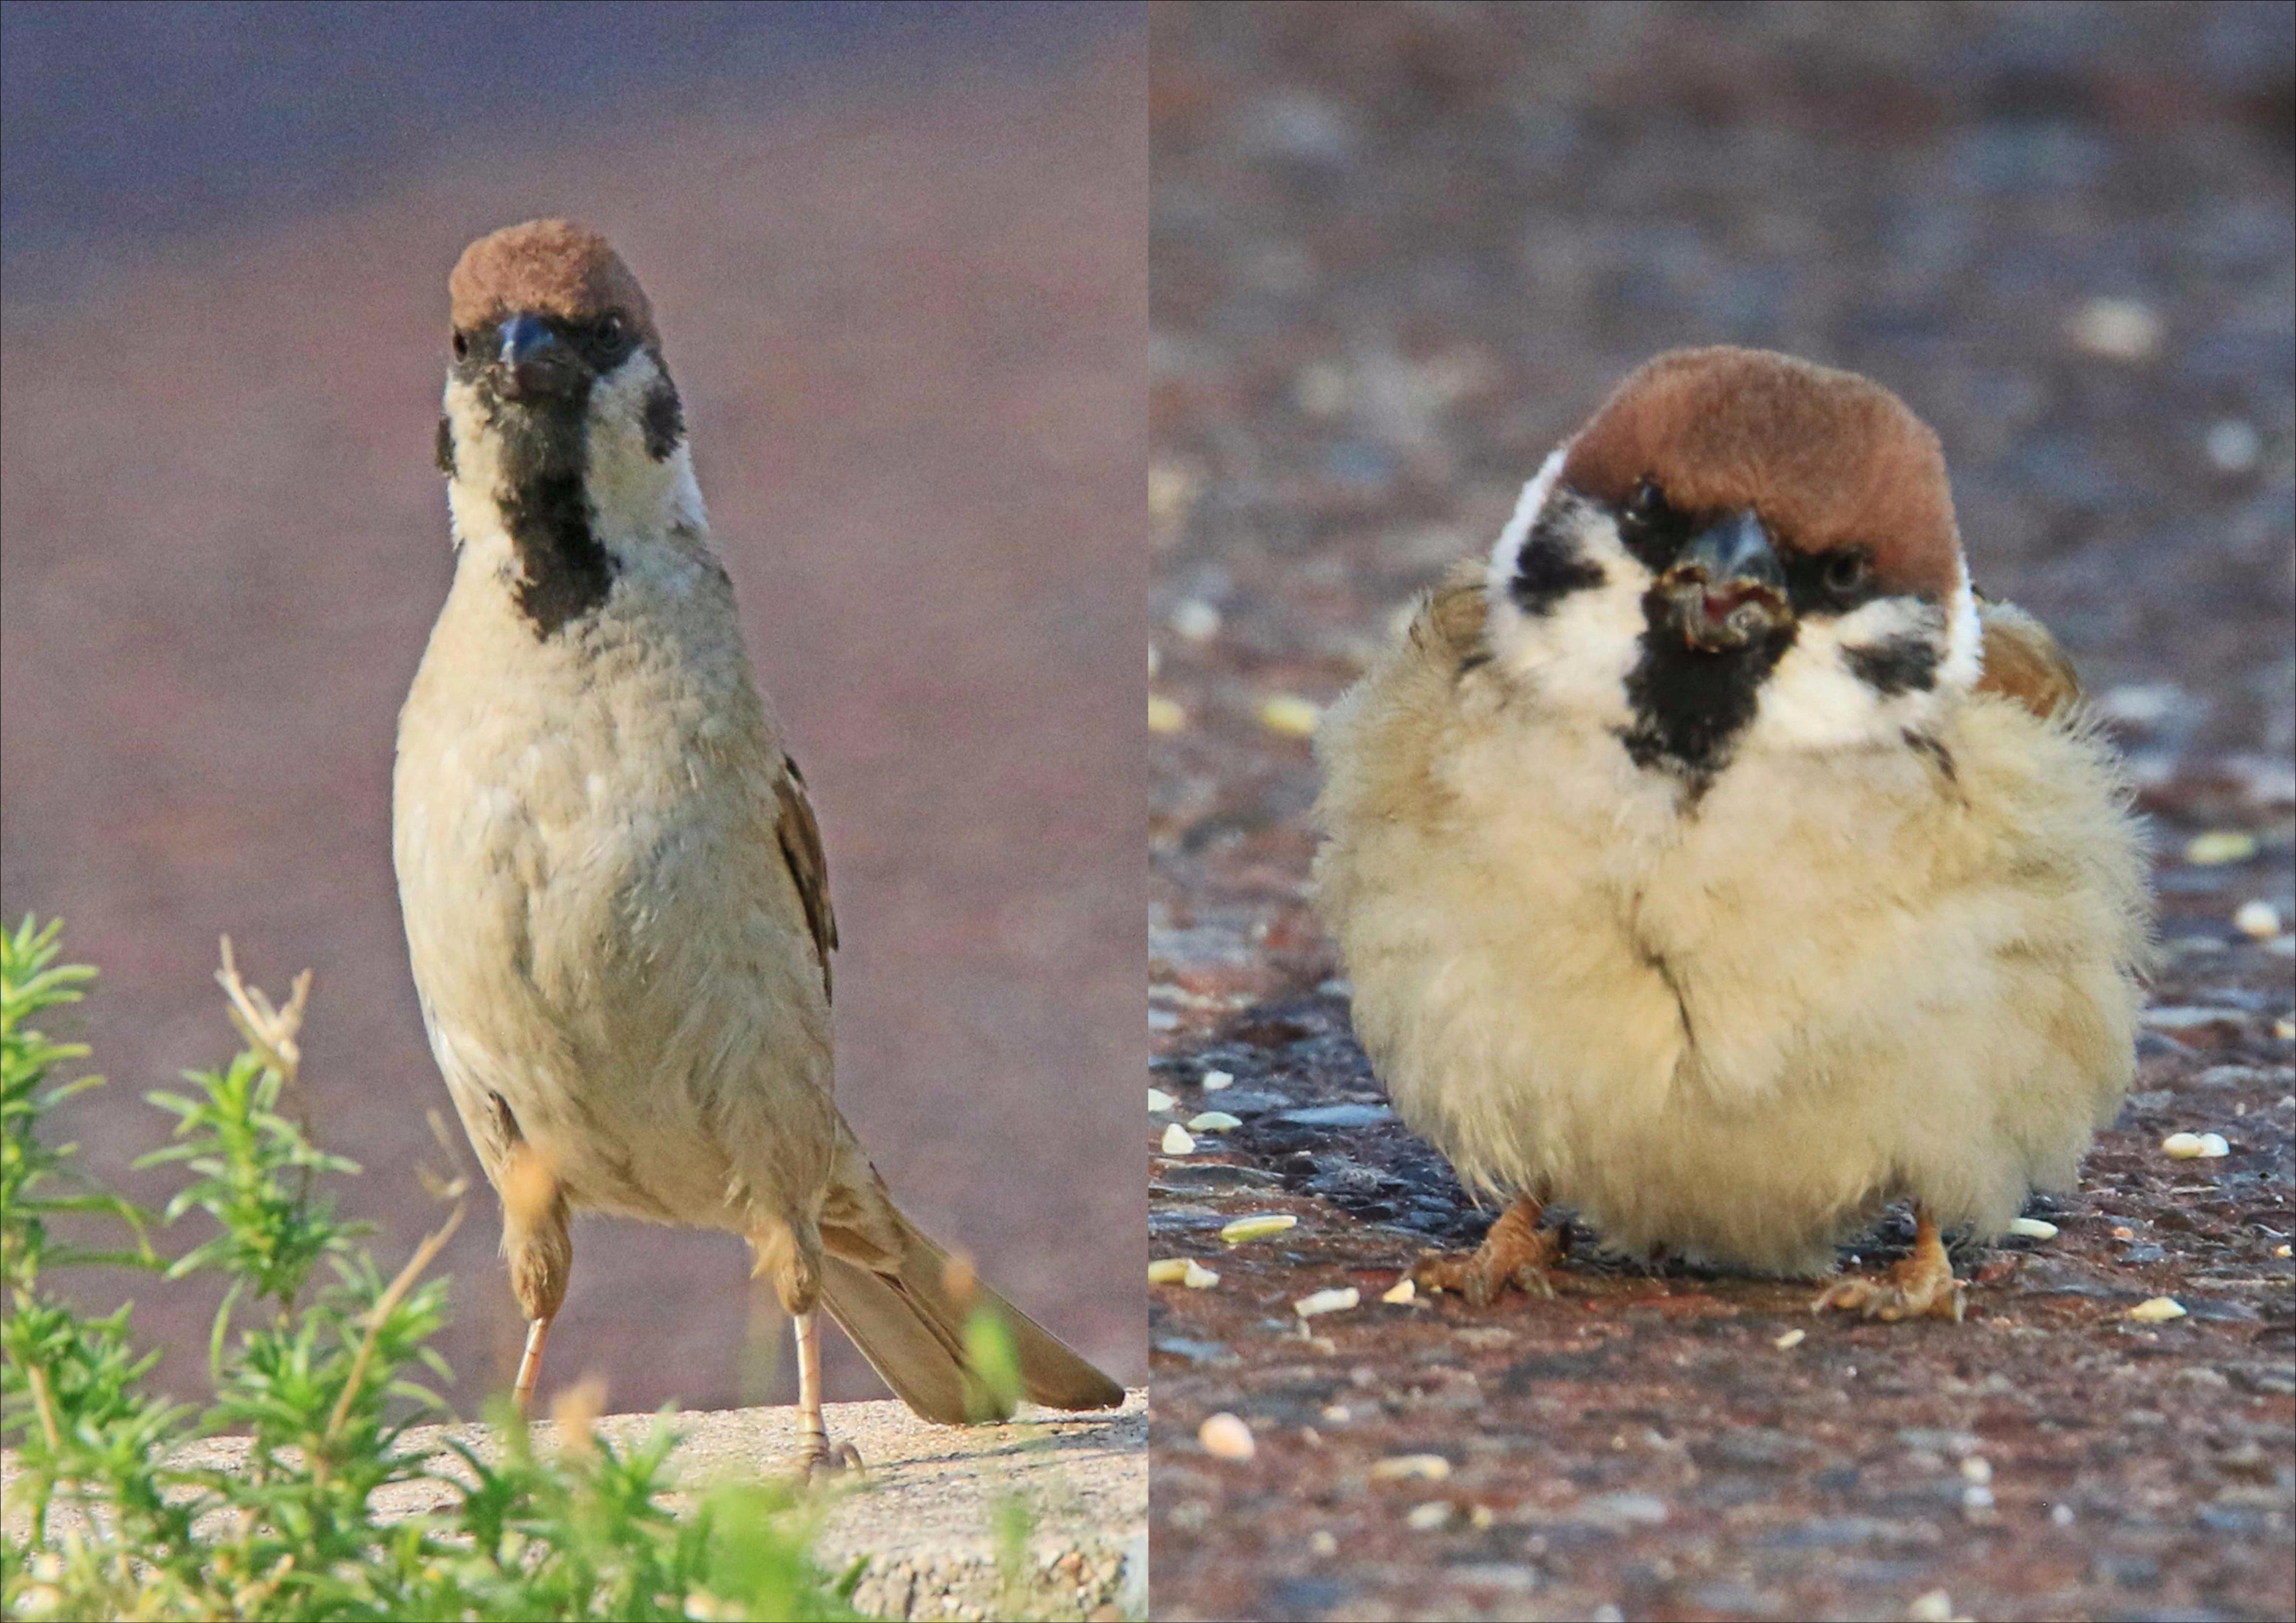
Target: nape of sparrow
[1715, 862]
[616, 900]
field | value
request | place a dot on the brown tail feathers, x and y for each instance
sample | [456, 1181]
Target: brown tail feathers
[910, 1325]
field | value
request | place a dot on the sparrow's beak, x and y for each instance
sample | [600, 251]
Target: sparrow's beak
[532, 363]
[1728, 589]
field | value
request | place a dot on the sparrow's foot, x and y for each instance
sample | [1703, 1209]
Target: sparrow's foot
[822, 1464]
[1919, 1285]
[1516, 1252]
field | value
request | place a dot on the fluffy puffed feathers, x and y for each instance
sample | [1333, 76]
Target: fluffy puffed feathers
[1733, 1023]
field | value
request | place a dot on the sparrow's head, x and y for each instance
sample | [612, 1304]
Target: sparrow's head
[1740, 551]
[562, 429]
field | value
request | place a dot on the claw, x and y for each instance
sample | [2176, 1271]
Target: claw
[1516, 1252]
[1921, 1285]
[823, 1463]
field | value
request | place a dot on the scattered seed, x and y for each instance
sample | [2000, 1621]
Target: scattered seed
[1260, 1225]
[1323, 1542]
[2213, 1147]
[1977, 1468]
[1427, 1517]
[1790, 1339]
[2123, 329]
[2032, 1228]
[1403, 1291]
[1483, 1517]
[1977, 1497]
[2183, 1146]
[1165, 715]
[2259, 919]
[1177, 1141]
[2159, 1310]
[1400, 1467]
[2284, 1028]
[1167, 1270]
[1198, 1277]
[1195, 619]
[2284, 1251]
[2220, 846]
[1291, 714]
[1338, 1300]
[1160, 1101]
[1935, 1607]
[1214, 1122]
[1338, 1414]
[1215, 1080]
[2061, 1515]
[1225, 1437]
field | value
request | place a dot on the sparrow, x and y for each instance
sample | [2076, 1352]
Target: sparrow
[1714, 861]
[616, 900]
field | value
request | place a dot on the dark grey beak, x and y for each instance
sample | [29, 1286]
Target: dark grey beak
[532, 361]
[1727, 588]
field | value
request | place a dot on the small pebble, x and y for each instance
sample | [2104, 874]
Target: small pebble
[1164, 714]
[2259, 919]
[1195, 619]
[2233, 446]
[1291, 714]
[1790, 1339]
[1215, 1080]
[1226, 1437]
[1177, 1141]
[2220, 846]
[1403, 1291]
[1935, 1607]
[1260, 1225]
[1160, 1101]
[2116, 330]
[1214, 1122]
[1336, 1301]
[2159, 1310]
[1429, 1517]
[2032, 1228]
[1399, 1467]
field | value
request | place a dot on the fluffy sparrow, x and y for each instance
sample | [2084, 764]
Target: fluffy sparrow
[1715, 862]
[615, 897]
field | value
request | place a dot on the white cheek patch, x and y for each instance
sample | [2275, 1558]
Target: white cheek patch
[1816, 699]
[1964, 643]
[634, 495]
[1577, 654]
[473, 500]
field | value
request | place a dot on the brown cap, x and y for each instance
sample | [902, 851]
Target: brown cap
[1826, 458]
[549, 267]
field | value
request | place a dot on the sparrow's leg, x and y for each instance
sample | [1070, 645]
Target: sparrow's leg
[1516, 1252]
[1921, 1285]
[819, 1458]
[530, 1365]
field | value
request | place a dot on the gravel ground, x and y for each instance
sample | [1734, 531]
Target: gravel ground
[1397, 252]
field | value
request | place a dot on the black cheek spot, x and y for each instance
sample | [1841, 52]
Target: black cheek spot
[1901, 664]
[1550, 567]
[664, 419]
[443, 452]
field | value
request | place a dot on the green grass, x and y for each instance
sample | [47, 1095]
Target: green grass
[320, 1358]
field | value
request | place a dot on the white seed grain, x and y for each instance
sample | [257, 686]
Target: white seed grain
[1198, 1277]
[1215, 1080]
[2159, 1310]
[2259, 919]
[1403, 1291]
[1160, 1101]
[1291, 716]
[1260, 1225]
[1790, 1339]
[1177, 1141]
[1214, 1122]
[1429, 1517]
[2032, 1228]
[2183, 1146]
[1405, 1467]
[2220, 846]
[1164, 714]
[1335, 1300]
[1225, 1437]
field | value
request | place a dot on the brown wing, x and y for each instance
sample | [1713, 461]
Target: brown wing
[2023, 661]
[800, 838]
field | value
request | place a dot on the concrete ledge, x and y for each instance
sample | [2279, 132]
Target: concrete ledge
[922, 1512]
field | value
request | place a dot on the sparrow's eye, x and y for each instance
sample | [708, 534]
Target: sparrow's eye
[1847, 573]
[609, 330]
[1647, 502]
[462, 346]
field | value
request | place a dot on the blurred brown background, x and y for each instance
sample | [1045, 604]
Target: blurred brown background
[897, 255]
